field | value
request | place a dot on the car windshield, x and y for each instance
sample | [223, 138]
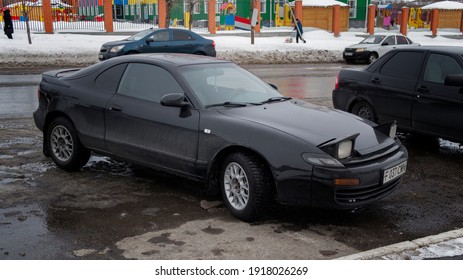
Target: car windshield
[139, 35]
[227, 84]
[373, 39]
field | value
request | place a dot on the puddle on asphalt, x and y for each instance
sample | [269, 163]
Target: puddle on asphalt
[25, 234]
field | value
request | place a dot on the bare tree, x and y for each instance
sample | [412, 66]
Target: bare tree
[169, 4]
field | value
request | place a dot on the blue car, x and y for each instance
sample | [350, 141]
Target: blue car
[169, 40]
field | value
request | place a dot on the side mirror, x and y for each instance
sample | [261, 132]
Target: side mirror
[174, 100]
[385, 44]
[455, 80]
[149, 40]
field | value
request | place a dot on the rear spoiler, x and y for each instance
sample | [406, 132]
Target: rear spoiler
[53, 76]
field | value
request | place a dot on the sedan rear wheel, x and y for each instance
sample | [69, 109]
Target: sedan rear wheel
[364, 110]
[245, 187]
[65, 148]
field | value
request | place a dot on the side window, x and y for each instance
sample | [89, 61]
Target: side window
[160, 36]
[439, 66]
[401, 40]
[182, 36]
[404, 64]
[390, 41]
[109, 79]
[147, 82]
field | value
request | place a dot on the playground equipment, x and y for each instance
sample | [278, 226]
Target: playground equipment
[227, 19]
[415, 19]
[287, 20]
[278, 20]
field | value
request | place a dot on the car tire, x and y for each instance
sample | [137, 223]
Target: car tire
[245, 186]
[364, 110]
[64, 145]
[372, 57]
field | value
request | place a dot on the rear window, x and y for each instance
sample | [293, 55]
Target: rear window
[182, 36]
[401, 40]
[109, 79]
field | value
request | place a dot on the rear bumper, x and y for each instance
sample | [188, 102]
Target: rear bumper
[38, 119]
[341, 99]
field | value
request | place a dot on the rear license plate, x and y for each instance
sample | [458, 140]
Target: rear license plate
[394, 172]
[348, 54]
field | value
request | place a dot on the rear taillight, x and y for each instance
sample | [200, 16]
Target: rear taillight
[213, 44]
[336, 85]
[38, 93]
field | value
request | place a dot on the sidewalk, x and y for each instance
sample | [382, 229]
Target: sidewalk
[447, 245]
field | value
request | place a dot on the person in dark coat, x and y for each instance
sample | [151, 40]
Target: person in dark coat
[8, 24]
[299, 31]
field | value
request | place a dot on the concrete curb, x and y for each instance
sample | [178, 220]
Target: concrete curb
[398, 248]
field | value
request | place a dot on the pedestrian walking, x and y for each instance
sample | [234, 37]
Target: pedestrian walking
[387, 22]
[299, 31]
[8, 23]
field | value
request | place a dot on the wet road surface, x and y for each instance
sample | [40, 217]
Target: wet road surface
[116, 210]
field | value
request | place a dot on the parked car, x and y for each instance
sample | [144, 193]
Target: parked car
[210, 120]
[169, 40]
[375, 46]
[415, 86]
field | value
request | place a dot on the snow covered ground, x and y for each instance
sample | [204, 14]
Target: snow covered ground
[61, 50]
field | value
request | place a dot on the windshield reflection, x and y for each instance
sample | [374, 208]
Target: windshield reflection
[227, 83]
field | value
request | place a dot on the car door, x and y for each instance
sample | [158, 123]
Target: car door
[159, 41]
[438, 108]
[387, 45]
[138, 127]
[392, 86]
[183, 42]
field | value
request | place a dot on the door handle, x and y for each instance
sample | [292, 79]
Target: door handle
[423, 89]
[115, 108]
[376, 81]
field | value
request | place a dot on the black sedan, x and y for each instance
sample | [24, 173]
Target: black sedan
[418, 87]
[210, 120]
[169, 40]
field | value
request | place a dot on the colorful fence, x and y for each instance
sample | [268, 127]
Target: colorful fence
[89, 14]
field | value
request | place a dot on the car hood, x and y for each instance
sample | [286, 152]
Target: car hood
[312, 123]
[358, 46]
[116, 43]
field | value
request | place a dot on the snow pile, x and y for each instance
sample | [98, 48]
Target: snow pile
[64, 50]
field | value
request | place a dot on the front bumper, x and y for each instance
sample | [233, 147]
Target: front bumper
[353, 55]
[320, 191]
[106, 55]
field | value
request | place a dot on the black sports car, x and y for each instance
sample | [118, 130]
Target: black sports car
[161, 40]
[210, 120]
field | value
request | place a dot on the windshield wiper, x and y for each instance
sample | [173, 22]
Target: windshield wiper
[228, 104]
[276, 98]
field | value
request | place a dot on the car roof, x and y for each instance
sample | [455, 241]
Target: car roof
[449, 49]
[174, 59]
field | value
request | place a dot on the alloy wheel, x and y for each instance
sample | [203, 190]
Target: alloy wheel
[62, 145]
[236, 186]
